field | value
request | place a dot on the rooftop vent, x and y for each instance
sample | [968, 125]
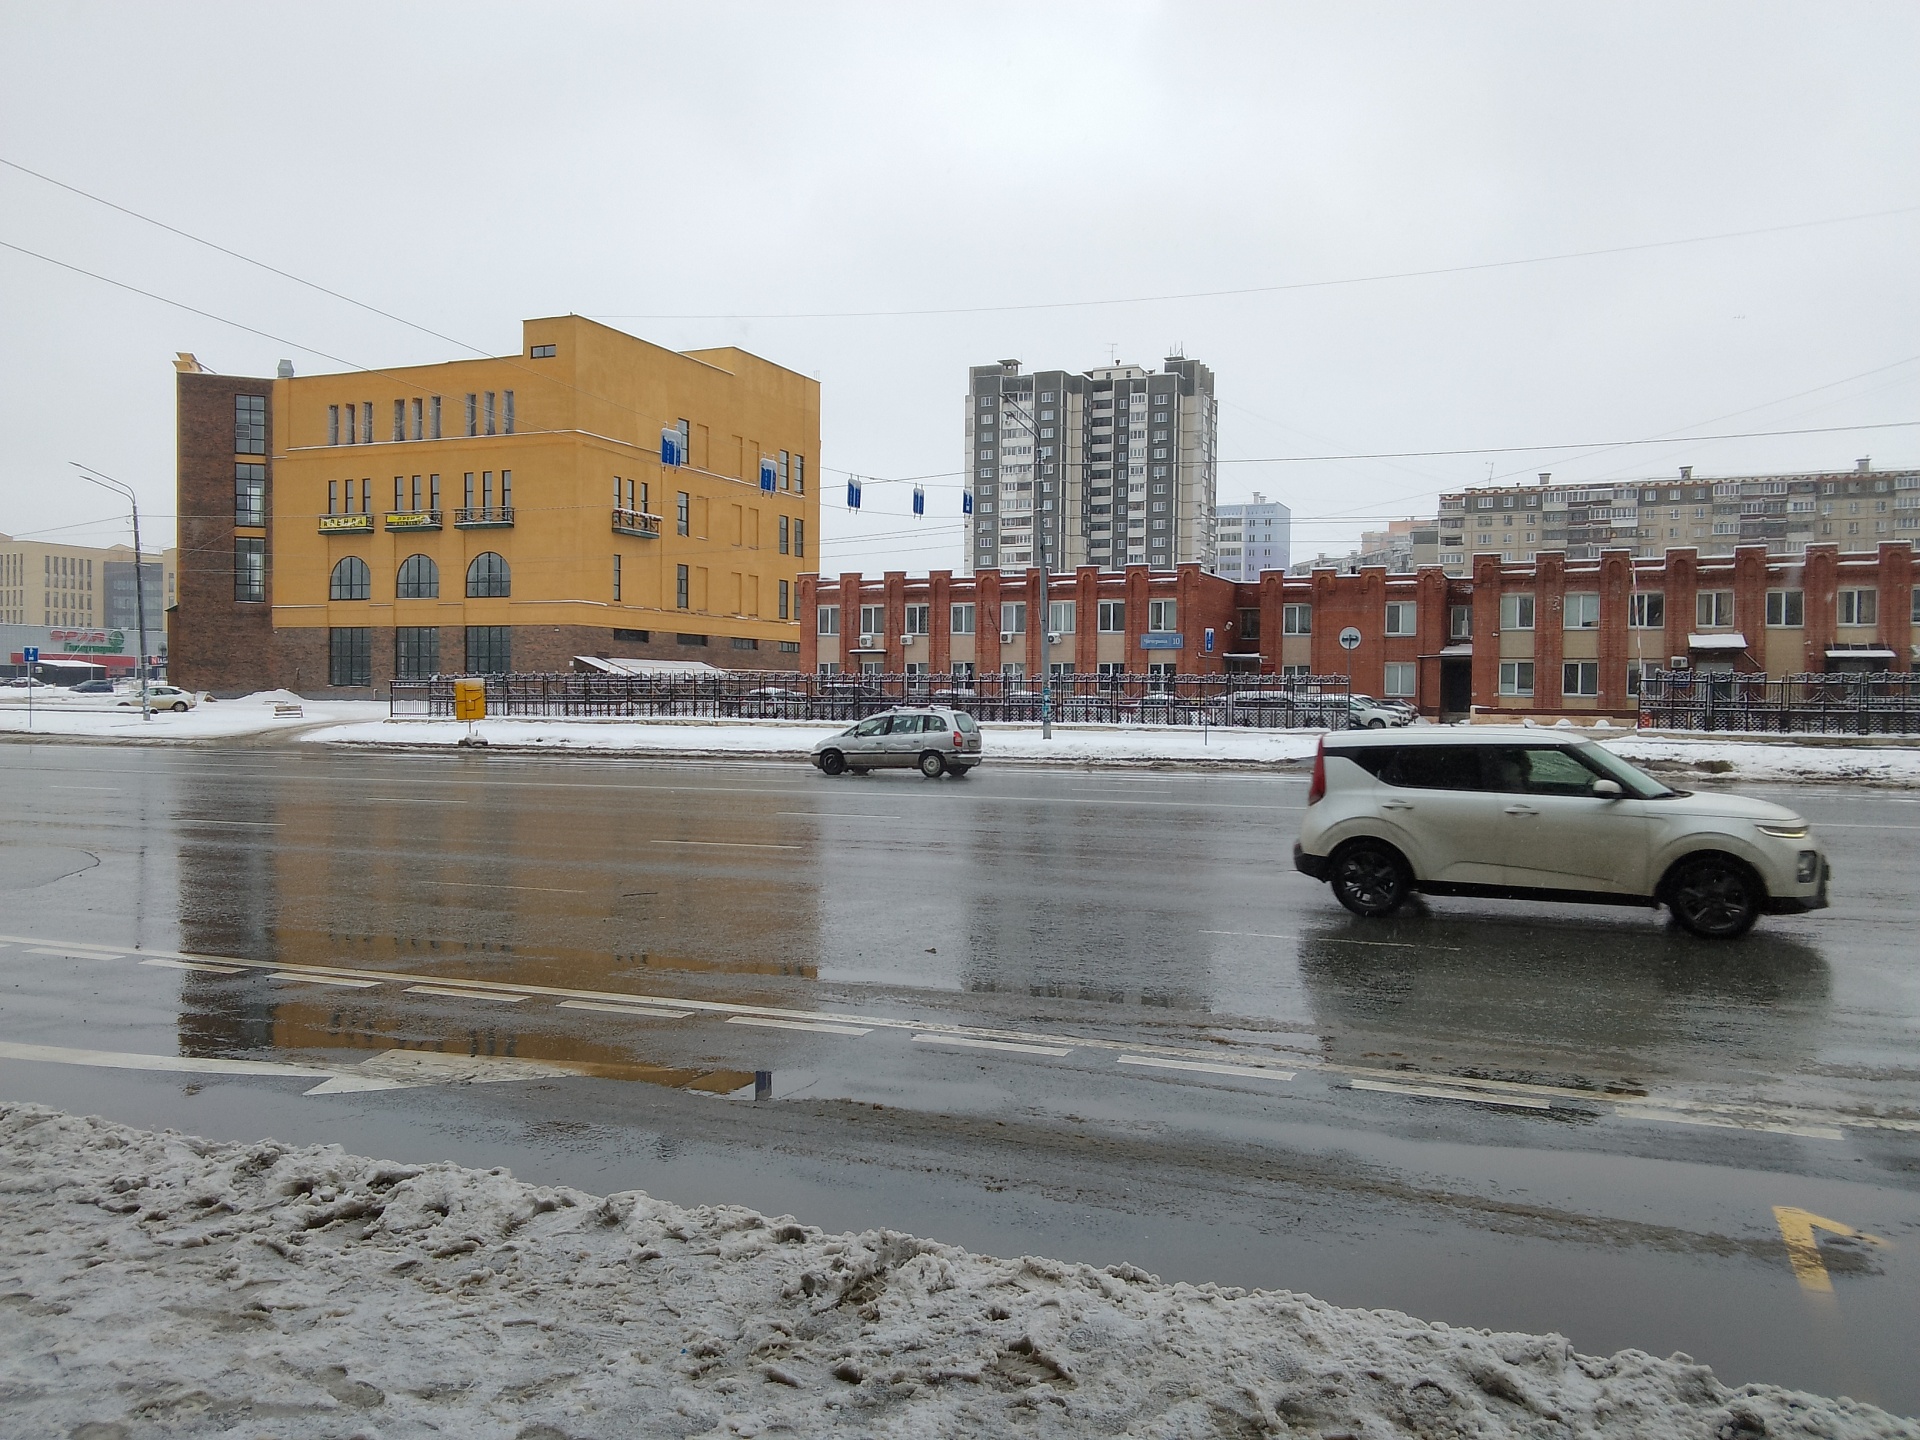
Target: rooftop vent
[286, 369]
[1863, 464]
[1686, 472]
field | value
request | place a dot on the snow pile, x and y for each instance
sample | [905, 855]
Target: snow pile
[158, 1282]
[1770, 760]
[102, 717]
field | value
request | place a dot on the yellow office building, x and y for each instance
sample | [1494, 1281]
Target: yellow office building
[593, 495]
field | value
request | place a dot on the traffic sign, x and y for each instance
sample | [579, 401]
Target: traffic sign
[1350, 638]
[1209, 639]
[30, 654]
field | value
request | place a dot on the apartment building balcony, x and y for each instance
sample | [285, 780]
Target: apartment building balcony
[413, 520]
[484, 517]
[636, 522]
[346, 524]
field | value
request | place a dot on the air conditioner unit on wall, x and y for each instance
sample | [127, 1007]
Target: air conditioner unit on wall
[1006, 637]
[1678, 662]
[908, 638]
[869, 642]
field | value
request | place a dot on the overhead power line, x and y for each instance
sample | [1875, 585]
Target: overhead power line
[1566, 445]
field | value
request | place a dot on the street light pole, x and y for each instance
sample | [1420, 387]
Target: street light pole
[107, 482]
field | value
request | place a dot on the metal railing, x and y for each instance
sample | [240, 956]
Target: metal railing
[1886, 703]
[1318, 702]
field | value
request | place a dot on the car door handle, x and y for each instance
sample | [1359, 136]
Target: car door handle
[1396, 805]
[1521, 810]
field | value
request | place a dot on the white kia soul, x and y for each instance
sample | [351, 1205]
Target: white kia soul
[1531, 814]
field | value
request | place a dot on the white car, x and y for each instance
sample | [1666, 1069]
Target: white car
[159, 697]
[1530, 814]
[1367, 713]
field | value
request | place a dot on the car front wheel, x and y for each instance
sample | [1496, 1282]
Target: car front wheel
[933, 765]
[832, 763]
[1370, 878]
[1715, 898]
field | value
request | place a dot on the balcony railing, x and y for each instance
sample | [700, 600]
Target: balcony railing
[486, 517]
[346, 524]
[413, 520]
[636, 522]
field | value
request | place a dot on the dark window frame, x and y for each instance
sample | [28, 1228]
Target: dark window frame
[489, 577]
[418, 578]
[350, 579]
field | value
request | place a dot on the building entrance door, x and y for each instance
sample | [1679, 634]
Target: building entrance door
[1456, 685]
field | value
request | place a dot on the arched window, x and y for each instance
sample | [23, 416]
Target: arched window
[419, 579]
[487, 576]
[352, 580]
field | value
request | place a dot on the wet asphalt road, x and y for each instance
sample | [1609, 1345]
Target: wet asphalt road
[1091, 1014]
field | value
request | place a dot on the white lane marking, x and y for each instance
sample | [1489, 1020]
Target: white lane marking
[1727, 1122]
[1329, 939]
[176, 1064]
[483, 885]
[415, 800]
[245, 824]
[323, 980]
[771, 1024]
[1206, 1067]
[729, 844]
[1434, 1092]
[77, 952]
[504, 999]
[834, 815]
[195, 965]
[973, 1044]
[645, 1012]
[102, 789]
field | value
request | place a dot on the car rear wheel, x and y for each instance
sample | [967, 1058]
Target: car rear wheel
[832, 763]
[180, 707]
[1370, 878]
[1715, 898]
[933, 765]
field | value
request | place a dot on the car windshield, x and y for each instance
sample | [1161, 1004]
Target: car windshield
[1633, 781]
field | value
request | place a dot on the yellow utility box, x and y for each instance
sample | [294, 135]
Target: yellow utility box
[469, 699]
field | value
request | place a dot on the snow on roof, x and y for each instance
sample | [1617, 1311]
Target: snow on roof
[1735, 641]
[615, 666]
[1870, 653]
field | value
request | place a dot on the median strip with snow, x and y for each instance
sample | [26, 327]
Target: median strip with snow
[156, 1281]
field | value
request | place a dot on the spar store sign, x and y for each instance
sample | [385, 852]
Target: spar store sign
[88, 642]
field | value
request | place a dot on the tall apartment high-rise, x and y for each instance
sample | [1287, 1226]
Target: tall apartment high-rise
[1252, 538]
[1110, 467]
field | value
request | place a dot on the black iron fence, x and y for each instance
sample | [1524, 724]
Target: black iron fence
[1879, 704]
[1269, 702]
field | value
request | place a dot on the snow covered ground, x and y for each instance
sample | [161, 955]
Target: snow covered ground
[156, 1283]
[63, 714]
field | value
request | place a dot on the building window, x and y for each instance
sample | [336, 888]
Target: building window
[693, 642]
[419, 420]
[1112, 617]
[473, 415]
[249, 494]
[1162, 615]
[1713, 609]
[416, 652]
[1516, 613]
[1399, 679]
[1582, 610]
[681, 597]
[333, 426]
[1786, 608]
[541, 352]
[1459, 622]
[827, 619]
[250, 424]
[506, 412]
[419, 579]
[1857, 607]
[1580, 677]
[434, 415]
[249, 569]
[1296, 619]
[350, 655]
[399, 420]
[488, 577]
[1060, 617]
[351, 580]
[616, 577]
[1647, 610]
[919, 620]
[799, 537]
[683, 514]
[873, 620]
[489, 649]
[784, 538]
[960, 619]
[785, 603]
[745, 644]
[1013, 617]
[489, 412]
[1516, 676]
[1401, 618]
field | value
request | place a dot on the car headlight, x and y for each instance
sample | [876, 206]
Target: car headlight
[1785, 832]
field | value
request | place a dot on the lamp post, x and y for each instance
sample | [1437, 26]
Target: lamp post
[1046, 578]
[107, 482]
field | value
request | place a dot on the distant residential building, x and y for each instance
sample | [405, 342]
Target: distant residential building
[1251, 538]
[1400, 549]
[80, 586]
[1110, 467]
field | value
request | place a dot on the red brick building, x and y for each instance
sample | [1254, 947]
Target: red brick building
[1552, 636]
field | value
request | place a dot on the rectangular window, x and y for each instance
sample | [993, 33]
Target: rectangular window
[680, 596]
[1516, 676]
[960, 620]
[785, 606]
[1582, 611]
[1249, 626]
[333, 426]
[1713, 609]
[799, 537]
[1162, 615]
[1399, 678]
[350, 655]
[1459, 622]
[1296, 619]
[683, 514]
[250, 424]
[799, 476]
[506, 416]
[1857, 607]
[785, 543]
[416, 652]
[249, 569]
[489, 412]
[1013, 617]
[366, 423]
[333, 496]
[1647, 611]
[616, 577]
[1580, 677]
[1516, 613]
[250, 494]
[919, 619]
[873, 620]
[434, 428]
[473, 415]
[1786, 608]
[419, 420]
[827, 620]
[469, 489]
[489, 649]
[541, 352]
[1401, 618]
[783, 471]
[399, 420]
[1060, 617]
[506, 489]
[1113, 617]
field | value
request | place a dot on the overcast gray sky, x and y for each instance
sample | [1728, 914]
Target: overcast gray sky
[701, 170]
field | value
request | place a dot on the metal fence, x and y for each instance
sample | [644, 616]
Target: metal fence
[1265, 701]
[1878, 704]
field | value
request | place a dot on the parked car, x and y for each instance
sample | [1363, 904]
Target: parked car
[30, 682]
[768, 702]
[1279, 709]
[1525, 814]
[160, 697]
[1366, 713]
[937, 741]
[94, 687]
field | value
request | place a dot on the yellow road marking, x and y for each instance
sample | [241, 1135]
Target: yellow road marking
[1803, 1251]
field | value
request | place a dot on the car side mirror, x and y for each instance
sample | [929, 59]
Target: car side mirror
[1608, 789]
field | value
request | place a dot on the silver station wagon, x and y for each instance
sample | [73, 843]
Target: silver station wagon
[934, 740]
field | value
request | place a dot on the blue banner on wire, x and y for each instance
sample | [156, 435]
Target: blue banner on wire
[853, 493]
